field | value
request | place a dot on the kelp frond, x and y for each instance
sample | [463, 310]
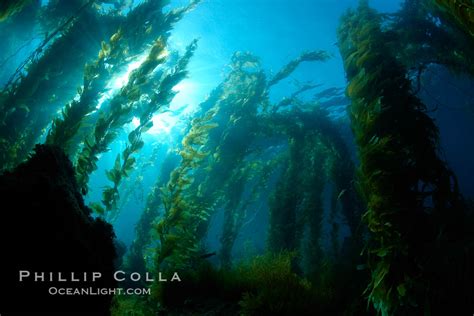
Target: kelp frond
[398, 151]
[291, 66]
[161, 98]
[118, 114]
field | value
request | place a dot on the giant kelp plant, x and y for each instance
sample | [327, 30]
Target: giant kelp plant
[415, 213]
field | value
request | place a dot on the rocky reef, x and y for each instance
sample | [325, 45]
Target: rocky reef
[46, 229]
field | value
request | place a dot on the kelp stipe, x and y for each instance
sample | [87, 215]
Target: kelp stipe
[316, 159]
[142, 252]
[161, 97]
[117, 115]
[414, 209]
[291, 66]
[182, 216]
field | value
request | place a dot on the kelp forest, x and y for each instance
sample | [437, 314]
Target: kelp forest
[267, 194]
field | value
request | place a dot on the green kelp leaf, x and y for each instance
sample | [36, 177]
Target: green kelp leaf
[138, 145]
[109, 197]
[132, 137]
[169, 245]
[379, 274]
[402, 291]
[147, 126]
[109, 192]
[129, 164]
[203, 216]
[160, 228]
[88, 144]
[97, 208]
[361, 267]
[110, 175]
[117, 163]
[193, 249]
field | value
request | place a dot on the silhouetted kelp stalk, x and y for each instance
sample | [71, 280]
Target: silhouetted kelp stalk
[160, 99]
[413, 203]
[50, 76]
[291, 66]
[293, 98]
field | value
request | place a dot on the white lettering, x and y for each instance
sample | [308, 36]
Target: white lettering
[60, 279]
[116, 276]
[160, 279]
[135, 276]
[39, 275]
[96, 275]
[148, 278]
[175, 277]
[24, 274]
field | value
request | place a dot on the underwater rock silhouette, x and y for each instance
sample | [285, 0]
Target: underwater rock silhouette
[46, 227]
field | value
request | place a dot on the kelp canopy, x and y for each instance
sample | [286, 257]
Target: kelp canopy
[269, 196]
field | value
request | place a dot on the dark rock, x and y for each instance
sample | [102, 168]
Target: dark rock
[45, 227]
